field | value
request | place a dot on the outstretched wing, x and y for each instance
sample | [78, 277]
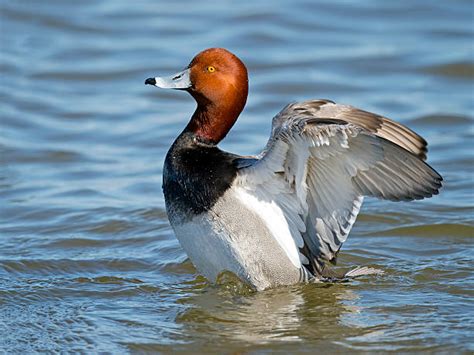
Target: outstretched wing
[322, 159]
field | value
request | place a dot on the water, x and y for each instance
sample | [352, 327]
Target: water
[88, 261]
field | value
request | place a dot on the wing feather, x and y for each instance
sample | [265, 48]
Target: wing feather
[320, 162]
[379, 125]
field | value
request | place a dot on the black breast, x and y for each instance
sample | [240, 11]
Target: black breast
[195, 176]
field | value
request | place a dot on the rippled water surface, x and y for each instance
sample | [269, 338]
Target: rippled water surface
[88, 261]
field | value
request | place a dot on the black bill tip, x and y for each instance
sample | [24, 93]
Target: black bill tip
[150, 81]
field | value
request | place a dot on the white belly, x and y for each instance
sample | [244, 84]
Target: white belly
[234, 237]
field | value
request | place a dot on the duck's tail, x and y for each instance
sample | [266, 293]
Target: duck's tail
[331, 275]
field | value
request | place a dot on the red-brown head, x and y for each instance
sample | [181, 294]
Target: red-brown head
[218, 81]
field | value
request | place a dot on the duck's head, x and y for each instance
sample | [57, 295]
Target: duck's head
[218, 81]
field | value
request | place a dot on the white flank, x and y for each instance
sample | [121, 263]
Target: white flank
[275, 220]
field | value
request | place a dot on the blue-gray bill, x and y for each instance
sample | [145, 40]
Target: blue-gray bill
[177, 81]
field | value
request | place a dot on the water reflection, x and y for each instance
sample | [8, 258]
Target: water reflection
[287, 314]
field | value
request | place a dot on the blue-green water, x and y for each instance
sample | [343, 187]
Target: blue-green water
[88, 261]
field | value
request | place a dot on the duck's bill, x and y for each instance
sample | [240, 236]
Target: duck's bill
[179, 80]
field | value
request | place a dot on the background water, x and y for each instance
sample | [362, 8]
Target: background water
[88, 261]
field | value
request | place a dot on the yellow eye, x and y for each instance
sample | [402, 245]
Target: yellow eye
[211, 69]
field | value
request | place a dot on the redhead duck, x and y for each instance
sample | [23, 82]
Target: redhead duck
[278, 218]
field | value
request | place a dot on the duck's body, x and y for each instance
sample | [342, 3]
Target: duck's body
[216, 221]
[276, 218]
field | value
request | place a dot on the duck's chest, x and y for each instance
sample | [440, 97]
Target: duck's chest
[194, 178]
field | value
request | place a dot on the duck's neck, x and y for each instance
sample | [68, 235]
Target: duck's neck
[211, 121]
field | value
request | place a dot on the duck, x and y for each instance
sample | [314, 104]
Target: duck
[280, 218]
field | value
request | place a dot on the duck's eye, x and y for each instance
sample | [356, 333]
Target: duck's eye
[211, 69]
